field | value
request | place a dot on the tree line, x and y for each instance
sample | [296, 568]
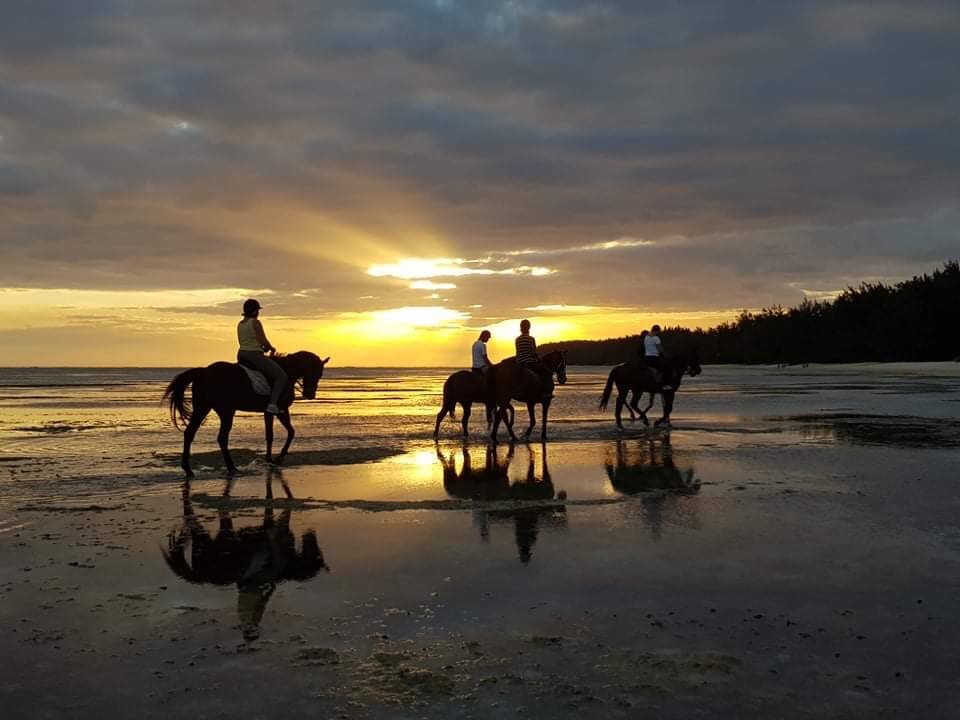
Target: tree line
[914, 320]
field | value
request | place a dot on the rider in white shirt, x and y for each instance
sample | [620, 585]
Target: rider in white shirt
[653, 351]
[479, 353]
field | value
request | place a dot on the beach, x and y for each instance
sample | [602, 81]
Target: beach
[790, 548]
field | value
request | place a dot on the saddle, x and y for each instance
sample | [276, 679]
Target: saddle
[259, 382]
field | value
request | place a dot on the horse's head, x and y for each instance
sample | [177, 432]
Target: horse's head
[693, 363]
[309, 368]
[557, 363]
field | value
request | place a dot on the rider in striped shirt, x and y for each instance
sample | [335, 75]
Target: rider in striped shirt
[527, 358]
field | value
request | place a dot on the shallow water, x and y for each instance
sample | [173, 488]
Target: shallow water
[789, 549]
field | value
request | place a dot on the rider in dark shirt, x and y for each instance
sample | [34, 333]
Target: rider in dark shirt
[527, 358]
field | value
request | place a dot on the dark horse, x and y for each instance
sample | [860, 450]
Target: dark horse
[635, 376]
[465, 387]
[225, 388]
[255, 559]
[511, 382]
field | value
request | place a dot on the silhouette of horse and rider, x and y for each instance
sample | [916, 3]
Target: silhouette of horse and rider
[256, 559]
[226, 388]
[490, 482]
[526, 378]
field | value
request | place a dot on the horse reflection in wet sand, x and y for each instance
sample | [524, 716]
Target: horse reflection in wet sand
[647, 468]
[491, 482]
[255, 559]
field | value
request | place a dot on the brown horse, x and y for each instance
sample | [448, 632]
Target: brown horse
[225, 388]
[514, 382]
[465, 387]
[636, 376]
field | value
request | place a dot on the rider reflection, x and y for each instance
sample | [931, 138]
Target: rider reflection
[491, 482]
[648, 468]
[256, 559]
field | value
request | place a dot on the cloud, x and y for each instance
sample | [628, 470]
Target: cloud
[411, 268]
[680, 156]
[430, 285]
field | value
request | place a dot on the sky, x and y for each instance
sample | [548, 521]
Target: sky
[390, 177]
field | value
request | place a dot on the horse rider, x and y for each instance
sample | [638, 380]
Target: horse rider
[653, 355]
[481, 363]
[527, 358]
[253, 345]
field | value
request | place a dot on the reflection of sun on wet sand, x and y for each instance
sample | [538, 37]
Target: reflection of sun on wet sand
[491, 481]
[256, 559]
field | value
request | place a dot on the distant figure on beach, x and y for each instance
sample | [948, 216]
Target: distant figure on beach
[528, 358]
[480, 362]
[652, 351]
[253, 345]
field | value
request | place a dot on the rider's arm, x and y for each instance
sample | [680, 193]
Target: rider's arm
[262, 336]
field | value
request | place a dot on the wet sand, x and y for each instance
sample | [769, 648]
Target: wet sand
[798, 565]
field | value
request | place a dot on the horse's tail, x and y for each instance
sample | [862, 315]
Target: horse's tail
[605, 398]
[449, 402]
[175, 395]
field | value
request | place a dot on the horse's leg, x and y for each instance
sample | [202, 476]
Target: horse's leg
[532, 409]
[506, 412]
[635, 405]
[223, 437]
[496, 423]
[444, 409]
[667, 409]
[189, 432]
[543, 430]
[284, 419]
[618, 410]
[467, 405]
[268, 434]
[643, 413]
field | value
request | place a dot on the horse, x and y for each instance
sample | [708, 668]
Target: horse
[255, 559]
[225, 388]
[465, 387]
[635, 375]
[511, 382]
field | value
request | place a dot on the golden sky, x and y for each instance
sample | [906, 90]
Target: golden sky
[391, 178]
